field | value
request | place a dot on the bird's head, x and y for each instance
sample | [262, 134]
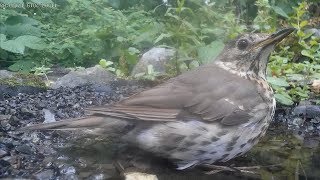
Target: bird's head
[249, 53]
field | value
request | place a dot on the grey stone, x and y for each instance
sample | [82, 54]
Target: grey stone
[6, 74]
[48, 116]
[68, 170]
[93, 75]
[309, 111]
[25, 149]
[157, 57]
[315, 32]
[3, 153]
[46, 174]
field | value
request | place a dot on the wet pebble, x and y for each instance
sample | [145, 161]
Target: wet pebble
[67, 170]
[98, 177]
[36, 151]
[3, 153]
[297, 121]
[4, 163]
[44, 175]
[25, 149]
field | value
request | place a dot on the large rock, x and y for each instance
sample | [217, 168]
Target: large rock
[6, 74]
[93, 75]
[157, 57]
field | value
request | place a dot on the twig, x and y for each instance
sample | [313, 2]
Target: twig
[245, 169]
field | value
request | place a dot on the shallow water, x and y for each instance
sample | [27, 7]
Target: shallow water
[281, 155]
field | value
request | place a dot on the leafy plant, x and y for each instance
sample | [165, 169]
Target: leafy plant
[151, 74]
[108, 66]
[294, 66]
[42, 71]
[197, 40]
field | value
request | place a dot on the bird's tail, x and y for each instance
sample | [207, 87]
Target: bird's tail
[97, 125]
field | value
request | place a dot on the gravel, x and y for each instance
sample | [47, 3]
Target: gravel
[35, 154]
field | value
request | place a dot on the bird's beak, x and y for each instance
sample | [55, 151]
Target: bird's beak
[274, 38]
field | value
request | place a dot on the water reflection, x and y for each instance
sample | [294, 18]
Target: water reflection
[281, 155]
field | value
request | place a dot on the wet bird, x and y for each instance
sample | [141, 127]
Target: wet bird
[207, 115]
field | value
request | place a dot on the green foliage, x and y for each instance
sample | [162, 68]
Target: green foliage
[124, 33]
[80, 32]
[194, 38]
[108, 66]
[297, 64]
[19, 44]
[20, 35]
[151, 74]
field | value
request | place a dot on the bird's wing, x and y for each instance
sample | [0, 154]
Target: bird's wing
[205, 98]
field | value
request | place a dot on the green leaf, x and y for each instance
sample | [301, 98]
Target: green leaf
[300, 33]
[303, 24]
[111, 69]
[296, 77]
[14, 20]
[104, 63]
[315, 76]
[210, 52]
[22, 65]
[162, 36]
[286, 100]
[121, 39]
[13, 46]
[133, 51]
[307, 54]
[279, 11]
[23, 29]
[18, 45]
[295, 25]
[32, 42]
[278, 81]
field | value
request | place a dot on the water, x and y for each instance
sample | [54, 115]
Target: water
[281, 154]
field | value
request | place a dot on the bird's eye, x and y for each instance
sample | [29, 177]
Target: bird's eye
[242, 44]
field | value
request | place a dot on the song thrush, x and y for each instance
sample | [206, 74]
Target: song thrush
[210, 114]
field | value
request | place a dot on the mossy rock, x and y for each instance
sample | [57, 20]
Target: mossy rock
[21, 79]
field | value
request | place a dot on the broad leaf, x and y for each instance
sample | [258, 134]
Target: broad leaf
[286, 100]
[22, 29]
[13, 46]
[162, 36]
[307, 54]
[296, 77]
[279, 11]
[31, 42]
[13, 20]
[22, 66]
[278, 81]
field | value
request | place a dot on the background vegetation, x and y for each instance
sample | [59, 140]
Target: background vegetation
[38, 34]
